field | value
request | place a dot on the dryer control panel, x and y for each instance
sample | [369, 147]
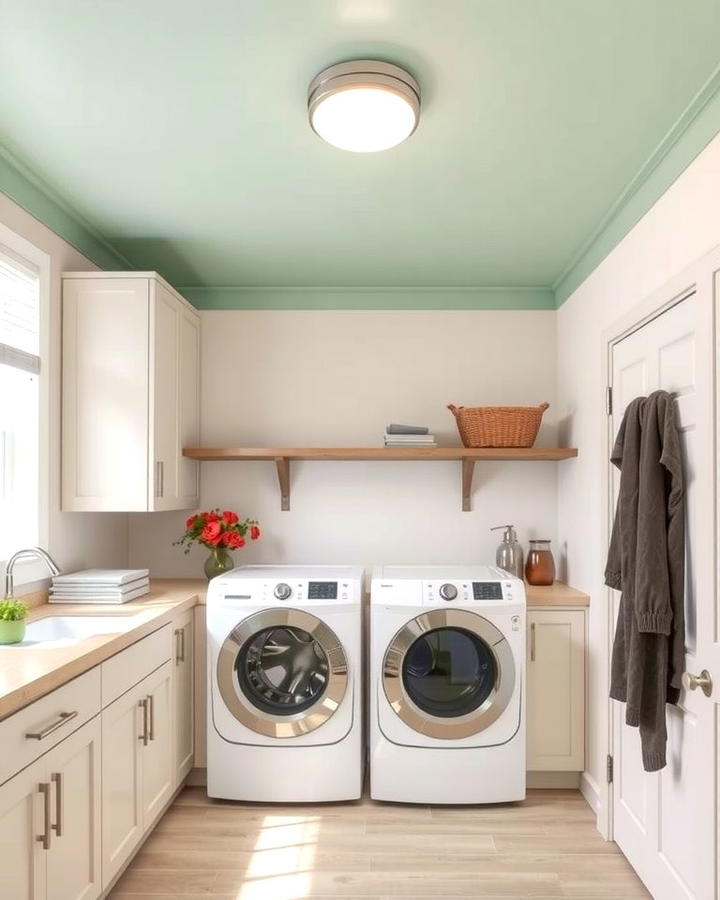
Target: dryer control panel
[438, 593]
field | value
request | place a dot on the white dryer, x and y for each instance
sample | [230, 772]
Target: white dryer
[447, 685]
[284, 684]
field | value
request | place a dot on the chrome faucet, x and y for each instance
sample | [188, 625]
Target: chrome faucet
[31, 552]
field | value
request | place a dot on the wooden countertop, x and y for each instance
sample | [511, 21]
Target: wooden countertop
[27, 672]
[557, 594]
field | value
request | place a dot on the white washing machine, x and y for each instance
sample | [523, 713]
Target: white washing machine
[284, 684]
[447, 685]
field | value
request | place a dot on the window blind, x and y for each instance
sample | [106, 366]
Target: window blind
[19, 312]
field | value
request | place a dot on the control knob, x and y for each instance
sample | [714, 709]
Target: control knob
[448, 591]
[282, 591]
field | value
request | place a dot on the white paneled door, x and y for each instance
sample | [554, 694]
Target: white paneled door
[665, 822]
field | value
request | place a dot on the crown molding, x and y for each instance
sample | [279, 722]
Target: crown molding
[691, 132]
[26, 188]
[405, 297]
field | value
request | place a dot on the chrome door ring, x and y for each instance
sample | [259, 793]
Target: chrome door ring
[280, 726]
[458, 726]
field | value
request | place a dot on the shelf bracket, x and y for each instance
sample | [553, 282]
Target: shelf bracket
[468, 468]
[283, 473]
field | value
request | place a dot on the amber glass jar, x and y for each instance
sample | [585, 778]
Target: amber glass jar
[540, 566]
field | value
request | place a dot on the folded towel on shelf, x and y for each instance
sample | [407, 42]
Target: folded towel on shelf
[406, 429]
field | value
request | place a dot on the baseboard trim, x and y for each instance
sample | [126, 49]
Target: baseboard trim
[535, 780]
[553, 780]
[197, 778]
[589, 790]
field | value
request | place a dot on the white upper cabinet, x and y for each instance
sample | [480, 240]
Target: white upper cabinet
[131, 359]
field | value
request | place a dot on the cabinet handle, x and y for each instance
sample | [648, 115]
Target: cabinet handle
[46, 732]
[159, 478]
[532, 642]
[143, 704]
[179, 645]
[151, 705]
[45, 837]
[57, 778]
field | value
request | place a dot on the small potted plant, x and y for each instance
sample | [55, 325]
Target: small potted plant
[219, 531]
[12, 620]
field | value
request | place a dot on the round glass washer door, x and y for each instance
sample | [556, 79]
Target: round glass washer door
[282, 672]
[449, 674]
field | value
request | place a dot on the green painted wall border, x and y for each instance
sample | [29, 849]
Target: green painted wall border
[689, 135]
[36, 197]
[370, 298]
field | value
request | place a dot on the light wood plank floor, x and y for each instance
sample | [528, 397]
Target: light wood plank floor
[546, 847]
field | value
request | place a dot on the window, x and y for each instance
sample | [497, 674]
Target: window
[19, 402]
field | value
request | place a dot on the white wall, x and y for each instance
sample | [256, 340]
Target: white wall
[75, 540]
[335, 378]
[682, 226]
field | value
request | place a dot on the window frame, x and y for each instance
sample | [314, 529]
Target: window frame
[27, 572]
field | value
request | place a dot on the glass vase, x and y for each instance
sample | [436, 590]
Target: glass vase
[218, 562]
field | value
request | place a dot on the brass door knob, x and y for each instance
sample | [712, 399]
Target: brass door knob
[693, 682]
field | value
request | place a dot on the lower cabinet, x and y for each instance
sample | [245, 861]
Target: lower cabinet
[49, 823]
[74, 809]
[556, 690]
[137, 766]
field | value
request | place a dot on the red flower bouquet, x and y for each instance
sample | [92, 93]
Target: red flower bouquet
[219, 531]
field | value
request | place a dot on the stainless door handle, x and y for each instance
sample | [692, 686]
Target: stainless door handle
[179, 645]
[60, 721]
[143, 704]
[57, 778]
[159, 478]
[693, 682]
[45, 837]
[532, 642]
[151, 705]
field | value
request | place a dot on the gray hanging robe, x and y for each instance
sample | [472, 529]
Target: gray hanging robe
[646, 561]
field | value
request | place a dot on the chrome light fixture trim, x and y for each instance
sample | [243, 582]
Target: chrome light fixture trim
[380, 85]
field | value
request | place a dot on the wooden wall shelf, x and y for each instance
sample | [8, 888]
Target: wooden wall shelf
[282, 457]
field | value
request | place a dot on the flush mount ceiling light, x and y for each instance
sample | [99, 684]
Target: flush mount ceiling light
[364, 105]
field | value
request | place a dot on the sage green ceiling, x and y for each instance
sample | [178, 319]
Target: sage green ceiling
[175, 133]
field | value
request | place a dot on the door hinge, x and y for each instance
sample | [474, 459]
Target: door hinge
[608, 400]
[610, 769]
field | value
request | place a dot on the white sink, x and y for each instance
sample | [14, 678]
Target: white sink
[62, 630]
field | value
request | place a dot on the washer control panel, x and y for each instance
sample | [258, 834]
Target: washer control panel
[260, 587]
[467, 593]
[304, 591]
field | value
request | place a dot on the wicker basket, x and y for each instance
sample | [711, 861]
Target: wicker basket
[498, 426]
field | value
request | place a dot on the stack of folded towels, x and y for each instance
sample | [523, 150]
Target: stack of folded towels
[409, 436]
[100, 586]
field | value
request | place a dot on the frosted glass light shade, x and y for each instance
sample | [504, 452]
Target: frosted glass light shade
[364, 106]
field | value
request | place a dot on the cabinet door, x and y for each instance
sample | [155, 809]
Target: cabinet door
[22, 820]
[73, 860]
[105, 394]
[164, 439]
[188, 400]
[158, 770]
[184, 690]
[122, 820]
[556, 690]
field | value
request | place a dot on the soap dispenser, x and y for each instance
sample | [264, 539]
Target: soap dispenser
[509, 554]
